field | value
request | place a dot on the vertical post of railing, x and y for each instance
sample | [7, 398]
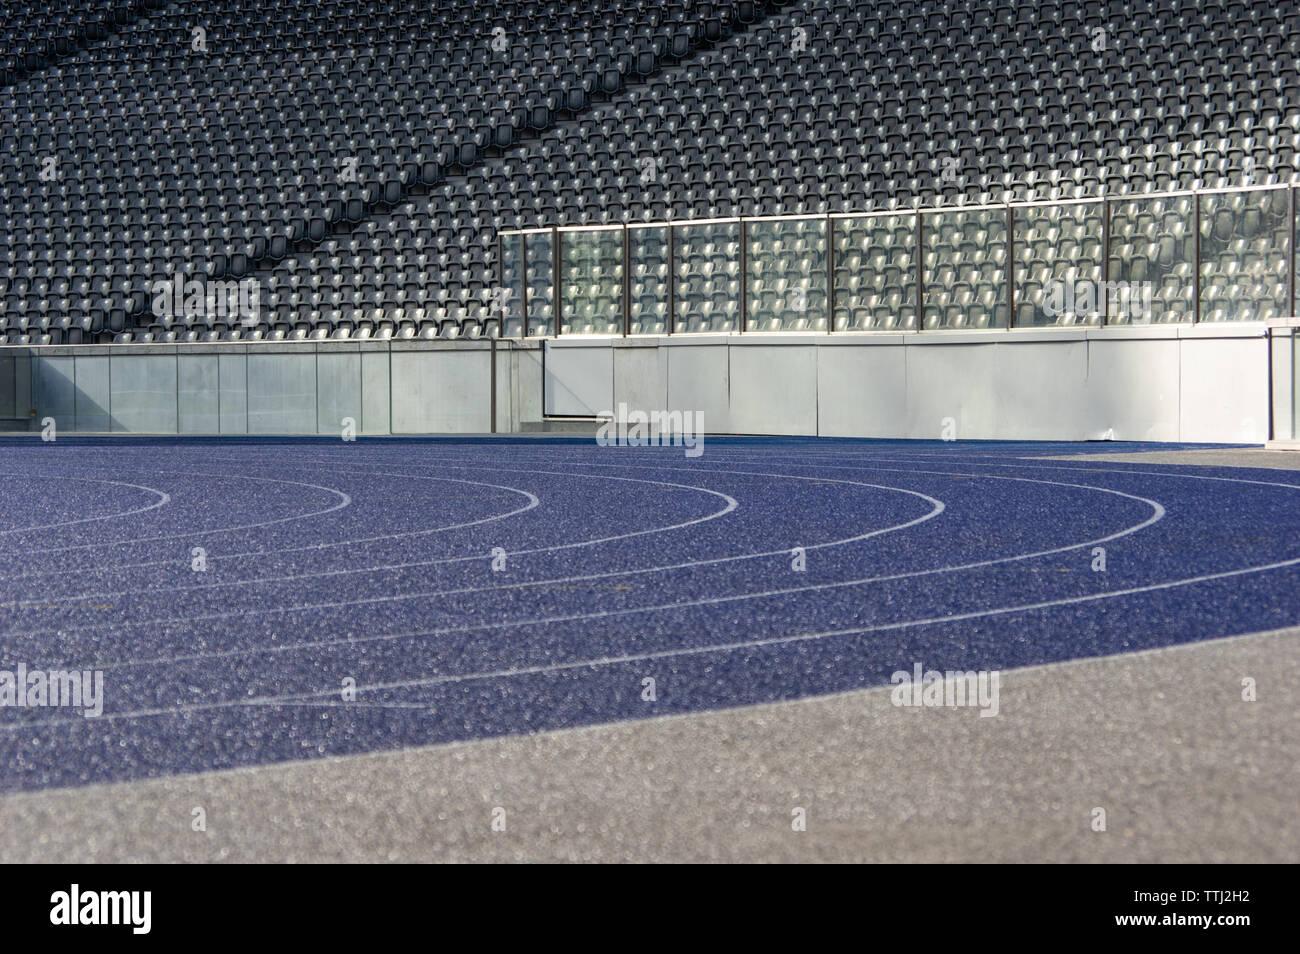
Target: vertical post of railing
[1196, 245]
[672, 279]
[557, 321]
[523, 273]
[1011, 266]
[744, 276]
[627, 283]
[830, 274]
[920, 272]
[1294, 258]
[1105, 261]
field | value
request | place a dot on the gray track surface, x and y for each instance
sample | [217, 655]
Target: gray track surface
[1210, 457]
[1186, 770]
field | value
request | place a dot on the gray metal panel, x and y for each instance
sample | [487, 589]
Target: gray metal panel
[8, 403]
[1283, 399]
[1291, 384]
[23, 392]
[144, 397]
[1133, 389]
[862, 389]
[232, 373]
[92, 397]
[441, 392]
[1224, 390]
[505, 421]
[376, 395]
[339, 391]
[641, 379]
[198, 397]
[949, 391]
[698, 380]
[526, 392]
[1038, 389]
[281, 394]
[773, 390]
[579, 379]
[56, 390]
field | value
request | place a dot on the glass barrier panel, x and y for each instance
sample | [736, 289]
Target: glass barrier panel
[1060, 261]
[1152, 261]
[875, 272]
[539, 250]
[591, 289]
[965, 267]
[785, 281]
[509, 305]
[1245, 255]
[648, 261]
[706, 292]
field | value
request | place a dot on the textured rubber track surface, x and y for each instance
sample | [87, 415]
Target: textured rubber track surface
[473, 589]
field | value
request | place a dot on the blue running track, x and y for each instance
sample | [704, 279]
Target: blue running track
[477, 588]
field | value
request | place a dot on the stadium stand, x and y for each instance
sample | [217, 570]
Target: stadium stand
[360, 160]
[33, 36]
[206, 139]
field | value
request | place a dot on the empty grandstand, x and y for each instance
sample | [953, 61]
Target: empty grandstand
[360, 159]
[549, 172]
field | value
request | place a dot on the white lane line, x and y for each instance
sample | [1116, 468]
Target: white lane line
[162, 501]
[255, 553]
[670, 653]
[344, 501]
[169, 591]
[937, 508]
[730, 505]
[116, 567]
[1158, 512]
[1024, 464]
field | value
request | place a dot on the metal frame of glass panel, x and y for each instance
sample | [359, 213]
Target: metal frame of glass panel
[708, 288]
[1212, 255]
[1054, 287]
[649, 267]
[594, 306]
[786, 273]
[969, 287]
[882, 292]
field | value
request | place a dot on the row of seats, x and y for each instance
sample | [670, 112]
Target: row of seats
[34, 35]
[231, 162]
[855, 114]
[217, 138]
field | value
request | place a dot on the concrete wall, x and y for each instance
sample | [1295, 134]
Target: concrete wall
[1205, 383]
[381, 387]
[1194, 383]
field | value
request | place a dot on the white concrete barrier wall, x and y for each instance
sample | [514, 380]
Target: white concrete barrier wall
[1207, 383]
[272, 388]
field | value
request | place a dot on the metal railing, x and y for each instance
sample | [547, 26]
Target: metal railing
[1183, 256]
